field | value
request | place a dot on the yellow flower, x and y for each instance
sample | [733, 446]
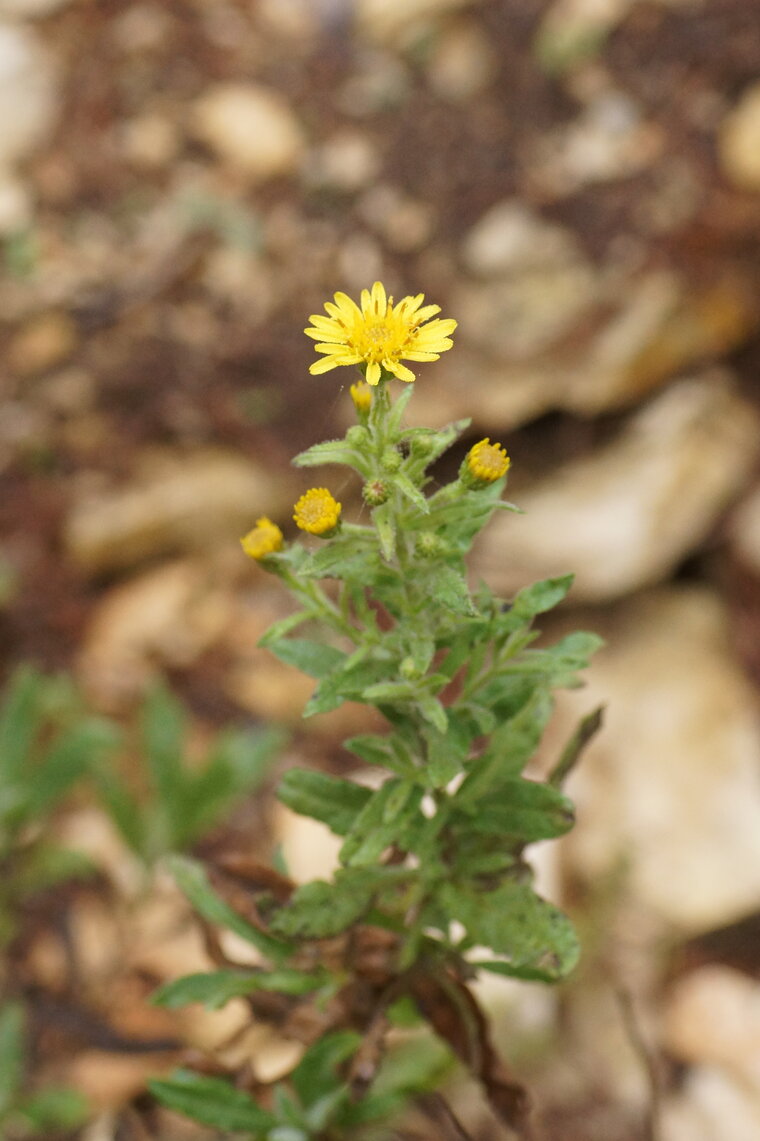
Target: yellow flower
[317, 511]
[487, 462]
[263, 540]
[379, 335]
[361, 394]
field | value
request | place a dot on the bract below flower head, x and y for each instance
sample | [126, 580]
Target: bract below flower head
[377, 335]
[487, 462]
[317, 511]
[265, 538]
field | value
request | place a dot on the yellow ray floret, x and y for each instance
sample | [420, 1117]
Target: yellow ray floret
[317, 511]
[263, 540]
[488, 462]
[378, 335]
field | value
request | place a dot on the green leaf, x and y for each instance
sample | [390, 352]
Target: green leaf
[75, 751]
[125, 812]
[319, 910]
[510, 748]
[279, 629]
[11, 1054]
[314, 658]
[350, 555]
[532, 935]
[215, 988]
[317, 1073]
[445, 756]
[396, 413]
[330, 452]
[382, 822]
[448, 588]
[334, 801]
[586, 729]
[433, 712]
[390, 691]
[163, 733]
[193, 882]
[574, 651]
[54, 1108]
[382, 518]
[238, 762]
[347, 683]
[436, 441]
[212, 1101]
[522, 809]
[410, 492]
[541, 596]
[19, 722]
[389, 752]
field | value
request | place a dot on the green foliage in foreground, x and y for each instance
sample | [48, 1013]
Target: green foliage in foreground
[25, 1113]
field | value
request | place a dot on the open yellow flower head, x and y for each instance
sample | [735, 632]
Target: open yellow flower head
[317, 511]
[487, 462]
[378, 334]
[263, 540]
[361, 394]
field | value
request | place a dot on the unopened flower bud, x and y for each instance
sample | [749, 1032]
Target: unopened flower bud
[375, 492]
[484, 464]
[357, 436]
[429, 545]
[391, 460]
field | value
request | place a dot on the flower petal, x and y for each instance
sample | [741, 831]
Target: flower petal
[399, 370]
[323, 366]
[373, 373]
[379, 299]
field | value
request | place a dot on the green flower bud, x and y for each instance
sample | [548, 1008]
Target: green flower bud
[429, 545]
[357, 436]
[409, 670]
[375, 492]
[391, 460]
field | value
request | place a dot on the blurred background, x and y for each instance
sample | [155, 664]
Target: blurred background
[577, 182]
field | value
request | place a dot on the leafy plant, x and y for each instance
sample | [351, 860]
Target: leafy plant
[47, 744]
[181, 801]
[28, 1113]
[433, 885]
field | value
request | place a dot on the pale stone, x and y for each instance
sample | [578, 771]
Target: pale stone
[15, 205]
[150, 140]
[710, 1106]
[744, 531]
[41, 344]
[712, 1017]
[739, 141]
[668, 795]
[608, 141]
[639, 330]
[250, 127]
[625, 515]
[463, 63]
[510, 238]
[27, 93]
[168, 616]
[347, 161]
[388, 19]
[175, 501]
[515, 318]
[309, 849]
[404, 222]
